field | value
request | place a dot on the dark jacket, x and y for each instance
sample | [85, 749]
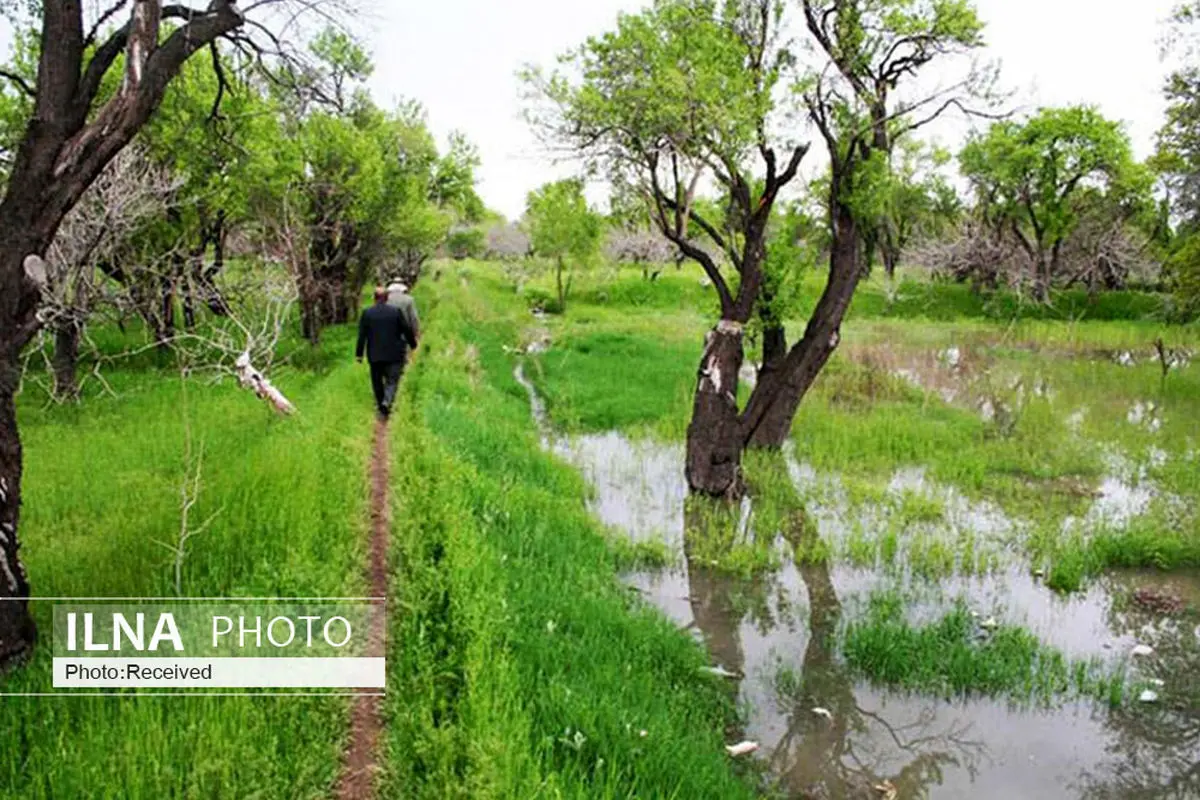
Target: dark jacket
[384, 333]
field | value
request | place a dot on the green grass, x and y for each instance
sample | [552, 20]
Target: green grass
[521, 667]
[955, 656]
[102, 489]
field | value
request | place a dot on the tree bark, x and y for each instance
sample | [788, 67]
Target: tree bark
[18, 306]
[767, 421]
[1041, 279]
[66, 359]
[714, 437]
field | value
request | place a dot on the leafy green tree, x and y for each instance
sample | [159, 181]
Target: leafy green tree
[874, 49]
[1177, 157]
[218, 134]
[370, 186]
[466, 242]
[694, 91]
[916, 200]
[1026, 176]
[564, 229]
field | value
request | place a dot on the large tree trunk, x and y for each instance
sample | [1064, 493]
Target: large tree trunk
[69, 141]
[772, 408]
[17, 631]
[714, 437]
[18, 306]
[66, 359]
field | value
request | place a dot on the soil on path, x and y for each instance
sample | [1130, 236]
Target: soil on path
[357, 781]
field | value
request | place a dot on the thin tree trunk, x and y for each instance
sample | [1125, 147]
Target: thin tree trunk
[1041, 279]
[562, 294]
[714, 437]
[208, 275]
[891, 259]
[66, 359]
[164, 317]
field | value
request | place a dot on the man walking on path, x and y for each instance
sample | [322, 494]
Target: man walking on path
[399, 297]
[385, 334]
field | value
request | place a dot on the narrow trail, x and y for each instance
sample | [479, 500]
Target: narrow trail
[357, 781]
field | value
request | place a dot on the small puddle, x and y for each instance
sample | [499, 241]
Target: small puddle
[766, 628]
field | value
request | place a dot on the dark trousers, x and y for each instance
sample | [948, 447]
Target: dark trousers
[385, 377]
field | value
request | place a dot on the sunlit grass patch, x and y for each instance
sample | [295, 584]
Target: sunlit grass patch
[726, 537]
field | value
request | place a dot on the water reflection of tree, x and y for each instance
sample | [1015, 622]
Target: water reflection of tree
[843, 757]
[849, 754]
[1154, 751]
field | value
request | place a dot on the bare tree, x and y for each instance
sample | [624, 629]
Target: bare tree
[129, 192]
[641, 247]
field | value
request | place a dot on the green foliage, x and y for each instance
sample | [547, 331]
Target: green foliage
[15, 105]
[1183, 268]
[466, 243]
[676, 69]
[563, 228]
[1027, 174]
[561, 224]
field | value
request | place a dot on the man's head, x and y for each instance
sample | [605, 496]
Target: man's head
[381, 294]
[398, 285]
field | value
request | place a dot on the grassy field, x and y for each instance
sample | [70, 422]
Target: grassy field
[519, 663]
[626, 354]
[102, 498]
[940, 403]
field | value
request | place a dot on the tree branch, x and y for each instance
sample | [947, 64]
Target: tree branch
[21, 83]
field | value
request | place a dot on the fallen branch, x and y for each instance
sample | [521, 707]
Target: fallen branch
[251, 378]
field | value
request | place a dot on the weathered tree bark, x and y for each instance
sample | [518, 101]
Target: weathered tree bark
[767, 421]
[66, 359]
[714, 437]
[68, 142]
[18, 305]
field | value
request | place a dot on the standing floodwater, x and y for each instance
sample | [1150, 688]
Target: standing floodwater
[826, 732]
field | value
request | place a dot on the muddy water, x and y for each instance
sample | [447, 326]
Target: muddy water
[777, 634]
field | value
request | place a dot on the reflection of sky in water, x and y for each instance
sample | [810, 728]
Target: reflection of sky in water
[928, 747]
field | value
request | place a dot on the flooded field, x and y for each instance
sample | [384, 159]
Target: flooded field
[827, 728]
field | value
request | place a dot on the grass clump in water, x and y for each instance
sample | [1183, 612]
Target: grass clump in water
[955, 656]
[631, 555]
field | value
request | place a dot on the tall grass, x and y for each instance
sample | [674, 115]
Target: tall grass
[521, 666]
[102, 490]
